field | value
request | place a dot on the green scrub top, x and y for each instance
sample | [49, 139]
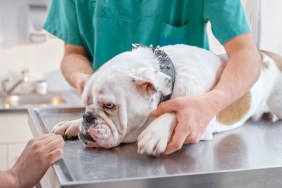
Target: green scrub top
[109, 27]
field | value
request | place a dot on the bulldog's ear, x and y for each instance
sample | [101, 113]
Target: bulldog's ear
[152, 81]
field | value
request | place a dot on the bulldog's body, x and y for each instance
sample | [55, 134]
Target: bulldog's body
[120, 96]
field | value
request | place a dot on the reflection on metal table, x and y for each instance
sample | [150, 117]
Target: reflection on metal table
[249, 156]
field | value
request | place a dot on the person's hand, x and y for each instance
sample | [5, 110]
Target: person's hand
[36, 158]
[193, 116]
[80, 81]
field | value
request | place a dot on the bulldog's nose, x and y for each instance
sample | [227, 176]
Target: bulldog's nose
[89, 118]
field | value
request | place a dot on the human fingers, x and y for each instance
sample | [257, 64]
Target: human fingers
[55, 155]
[164, 107]
[42, 143]
[57, 142]
[177, 140]
[44, 136]
[195, 136]
[37, 143]
[83, 80]
[49, 138]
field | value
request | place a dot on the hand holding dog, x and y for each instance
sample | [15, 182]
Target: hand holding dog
[193, 115]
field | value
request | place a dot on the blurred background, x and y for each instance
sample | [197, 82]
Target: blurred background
[24, 46]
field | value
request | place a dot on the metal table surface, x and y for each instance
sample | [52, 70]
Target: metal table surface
[249, 156]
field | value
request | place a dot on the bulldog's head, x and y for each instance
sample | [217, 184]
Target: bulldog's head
[119, 98]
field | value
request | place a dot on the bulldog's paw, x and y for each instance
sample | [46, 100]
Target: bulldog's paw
[67, 129]
[152, 142]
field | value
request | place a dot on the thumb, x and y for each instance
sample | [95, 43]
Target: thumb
[164, 107]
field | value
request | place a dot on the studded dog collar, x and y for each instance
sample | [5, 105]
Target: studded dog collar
[166, 65]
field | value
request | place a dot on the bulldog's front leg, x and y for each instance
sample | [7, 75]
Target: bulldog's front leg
[154, 139]
[68, 129]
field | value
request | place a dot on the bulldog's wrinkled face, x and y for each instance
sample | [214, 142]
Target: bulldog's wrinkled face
[119, 98]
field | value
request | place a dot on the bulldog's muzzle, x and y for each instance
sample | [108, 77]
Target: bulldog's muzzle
[88, 121]
[95, 132]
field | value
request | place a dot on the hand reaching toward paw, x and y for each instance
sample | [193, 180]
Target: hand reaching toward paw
[39, 154]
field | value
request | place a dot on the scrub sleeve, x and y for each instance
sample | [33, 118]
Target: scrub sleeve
[227, 18]
[62, 21]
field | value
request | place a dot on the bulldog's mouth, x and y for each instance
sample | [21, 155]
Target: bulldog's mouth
[86, 139]
[96, 132]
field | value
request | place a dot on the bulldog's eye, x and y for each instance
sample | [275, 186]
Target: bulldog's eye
[109, 106]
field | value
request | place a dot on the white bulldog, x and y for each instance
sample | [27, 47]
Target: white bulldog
[120, 96]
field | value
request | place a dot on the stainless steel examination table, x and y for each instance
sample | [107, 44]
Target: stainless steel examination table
[249, 156]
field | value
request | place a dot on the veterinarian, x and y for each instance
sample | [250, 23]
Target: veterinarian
[96, 31]
[34, 161]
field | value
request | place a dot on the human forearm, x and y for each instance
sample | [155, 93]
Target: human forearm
[241, 72]
[7, 179]
[75, 66]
